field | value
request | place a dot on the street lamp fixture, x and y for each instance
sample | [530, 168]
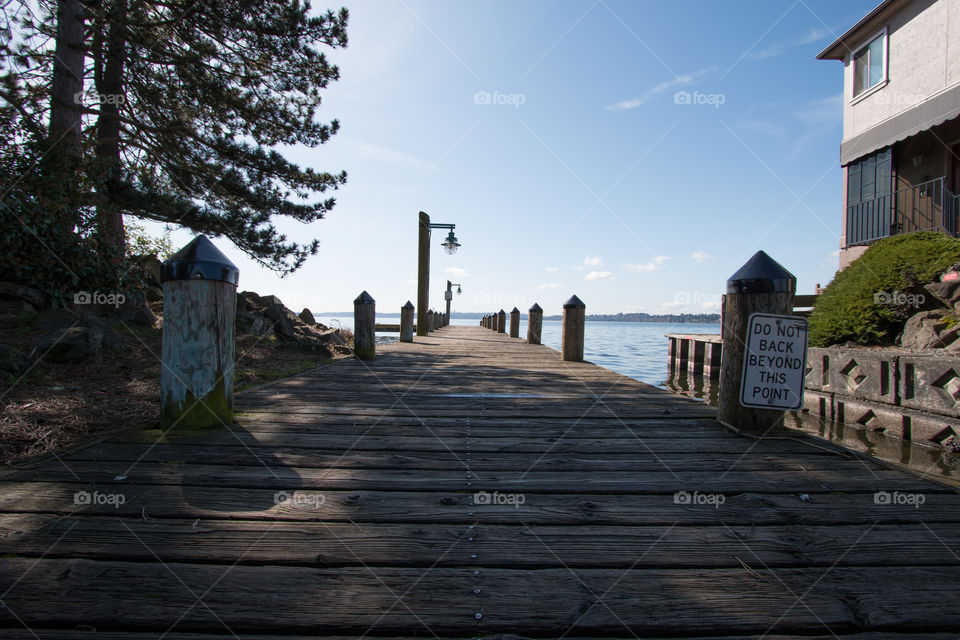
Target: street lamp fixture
[450, 245]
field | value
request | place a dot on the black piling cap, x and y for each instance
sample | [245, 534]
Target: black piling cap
[409, 305]
[515, 310]
[762, 274]
[501, 312]
[536, 307]
[364, 298]
[574, 303]
[199, 260]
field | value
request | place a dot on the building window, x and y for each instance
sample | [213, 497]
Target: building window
[870, 177]
[870, 65]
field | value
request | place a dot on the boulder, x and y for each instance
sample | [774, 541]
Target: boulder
[929, 330]
[12, 363]
[75, 344]
[333, 336]
[252, 323]
[152, 267]
[136, 310]
[280, 316]
[947, 292]
[306, 317]
[14, 291]
[53, 319]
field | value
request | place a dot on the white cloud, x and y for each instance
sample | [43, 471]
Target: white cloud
[592, 261]
[370, 151]
[457, 272]
[552, 269]
[665, 86]
[598, 275]
[550, 285]
[653, 265]
[700, 256]
[781, 47]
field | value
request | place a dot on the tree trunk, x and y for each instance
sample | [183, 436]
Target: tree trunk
[111, 98]
[65, 103]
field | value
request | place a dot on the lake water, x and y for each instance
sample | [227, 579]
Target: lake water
[635, 349]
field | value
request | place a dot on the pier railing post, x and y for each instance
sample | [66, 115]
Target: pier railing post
[760, 286]
[501, 321]
[515, 323]
[534, 324]
[364, 327]
[571, 340]
[199, 323]
[406, 322]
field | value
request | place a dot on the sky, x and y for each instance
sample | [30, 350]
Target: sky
[632, 153]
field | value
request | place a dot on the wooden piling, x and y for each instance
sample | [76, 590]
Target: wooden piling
[534, 324]
[515, 323]
[571, 340]
[501, 321]
[364, 321]
[761, 285]
[197, 352]
[406, 322]
[423, 272]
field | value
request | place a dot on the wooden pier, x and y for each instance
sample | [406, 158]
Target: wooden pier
[467, 485]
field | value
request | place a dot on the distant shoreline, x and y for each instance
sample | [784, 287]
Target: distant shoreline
[684, 318]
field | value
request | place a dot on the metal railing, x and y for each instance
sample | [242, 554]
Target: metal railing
[929, 206]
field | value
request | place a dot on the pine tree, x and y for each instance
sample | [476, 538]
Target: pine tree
[184, 106]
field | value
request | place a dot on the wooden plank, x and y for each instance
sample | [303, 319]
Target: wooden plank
[455, 506]
[332, 544]
[427, 442]
[641, 461]
[849, 477]
[445, 600]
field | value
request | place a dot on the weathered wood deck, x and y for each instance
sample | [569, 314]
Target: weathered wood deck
[379, 536]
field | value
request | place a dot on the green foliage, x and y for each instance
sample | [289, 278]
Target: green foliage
[852, 307]
[141, 243]
[47, 237]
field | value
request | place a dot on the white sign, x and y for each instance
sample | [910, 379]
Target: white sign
[774, 362]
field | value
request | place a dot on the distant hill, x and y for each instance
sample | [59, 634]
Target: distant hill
[682, 318]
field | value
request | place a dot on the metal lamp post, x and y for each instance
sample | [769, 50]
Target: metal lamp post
[450, 245]
[448, 296]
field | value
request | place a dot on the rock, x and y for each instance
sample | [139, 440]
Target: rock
[12, 363]
[253, 324]
[152, 267]
[333, 336]
[947, 292]
[52, 319]
[14, 291]
[76, 344]
[928, 330]
[135, 309]
[280, 316]
[306, 317]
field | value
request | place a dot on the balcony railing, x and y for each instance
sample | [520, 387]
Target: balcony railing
[929, 206]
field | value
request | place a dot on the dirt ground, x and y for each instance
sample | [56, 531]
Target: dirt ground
[51, 406]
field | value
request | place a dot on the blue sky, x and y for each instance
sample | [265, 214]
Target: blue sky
[632, 153]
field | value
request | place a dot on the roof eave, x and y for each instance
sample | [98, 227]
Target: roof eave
[839, 48]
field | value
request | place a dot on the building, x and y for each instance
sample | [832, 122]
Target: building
[901, 131]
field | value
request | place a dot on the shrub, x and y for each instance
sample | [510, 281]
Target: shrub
[852, 307]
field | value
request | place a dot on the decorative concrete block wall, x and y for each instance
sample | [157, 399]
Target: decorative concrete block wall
[908, 395]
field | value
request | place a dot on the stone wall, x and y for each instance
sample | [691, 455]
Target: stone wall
[914, 396]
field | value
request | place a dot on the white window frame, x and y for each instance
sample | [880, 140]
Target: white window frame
[885, 68]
